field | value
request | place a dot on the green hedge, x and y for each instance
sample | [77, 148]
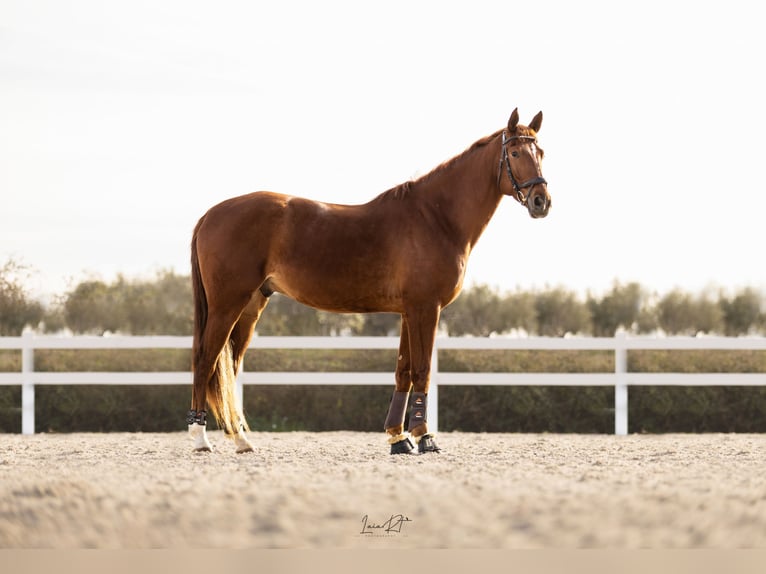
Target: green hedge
[477, 408]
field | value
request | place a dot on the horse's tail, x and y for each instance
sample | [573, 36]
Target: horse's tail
[200, 301]
[221, 394]
[220, 388]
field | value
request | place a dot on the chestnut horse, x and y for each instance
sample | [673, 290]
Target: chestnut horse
[403, 252]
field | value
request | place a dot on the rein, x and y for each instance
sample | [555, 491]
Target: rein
[517, 187]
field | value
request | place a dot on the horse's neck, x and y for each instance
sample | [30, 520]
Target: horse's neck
[465, 192]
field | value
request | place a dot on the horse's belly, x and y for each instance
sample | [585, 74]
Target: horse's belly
[330, 288]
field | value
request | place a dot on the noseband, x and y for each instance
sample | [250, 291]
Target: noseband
[517, 187]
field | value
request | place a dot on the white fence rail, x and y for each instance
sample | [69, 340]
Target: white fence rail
[620, 378]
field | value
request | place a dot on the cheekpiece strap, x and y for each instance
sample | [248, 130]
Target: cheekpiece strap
[504, 159]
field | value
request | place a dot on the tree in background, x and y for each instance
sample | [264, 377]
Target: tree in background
[158, 307]
[138, 307]
[380, 325]
[477, 311]
[520, 311]
[17, 308]
[680, 313]
[625, 306]
[284, 317]
[742, 313]
[92, 307]
[482, 311]
[560, 312]
[163, 305]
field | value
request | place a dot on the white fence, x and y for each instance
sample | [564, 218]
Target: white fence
[620, 379]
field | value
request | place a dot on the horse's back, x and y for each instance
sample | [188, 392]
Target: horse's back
[348, 258]
[303, 248]
[263, 203]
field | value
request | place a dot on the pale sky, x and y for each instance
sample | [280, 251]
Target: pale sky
[121, 123]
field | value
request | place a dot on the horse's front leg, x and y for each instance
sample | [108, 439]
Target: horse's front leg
[413, 371]
[394, 425]
[422, 323]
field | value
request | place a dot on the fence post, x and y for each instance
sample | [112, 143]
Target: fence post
[620, 384]
[27, 383]
[239, 388]
[433, 391]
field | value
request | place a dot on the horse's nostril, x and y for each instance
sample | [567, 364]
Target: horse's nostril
[539, 202]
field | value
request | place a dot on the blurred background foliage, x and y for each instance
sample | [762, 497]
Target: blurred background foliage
[162, 305]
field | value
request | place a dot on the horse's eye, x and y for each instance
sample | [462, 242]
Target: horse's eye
[514, 154]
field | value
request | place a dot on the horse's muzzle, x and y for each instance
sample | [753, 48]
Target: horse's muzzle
[539, 203]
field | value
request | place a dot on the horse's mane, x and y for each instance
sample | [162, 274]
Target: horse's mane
[402, 190]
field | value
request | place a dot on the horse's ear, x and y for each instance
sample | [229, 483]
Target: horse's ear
[536, 122]
[514, 120]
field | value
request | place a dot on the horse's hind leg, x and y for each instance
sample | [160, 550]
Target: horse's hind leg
[207, 373]
[240, 338]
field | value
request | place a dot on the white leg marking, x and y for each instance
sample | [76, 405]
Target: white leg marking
[243, 445]
[198, 433]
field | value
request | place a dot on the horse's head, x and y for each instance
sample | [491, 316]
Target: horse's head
[521, 157]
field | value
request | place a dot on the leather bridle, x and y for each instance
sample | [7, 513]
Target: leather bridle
[517, 187]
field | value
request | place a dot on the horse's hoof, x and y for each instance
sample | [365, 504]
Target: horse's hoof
[427, 443]
[243, 445]
[404, 446]
[203, 449]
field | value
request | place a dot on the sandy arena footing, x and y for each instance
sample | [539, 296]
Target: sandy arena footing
[343, 490]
